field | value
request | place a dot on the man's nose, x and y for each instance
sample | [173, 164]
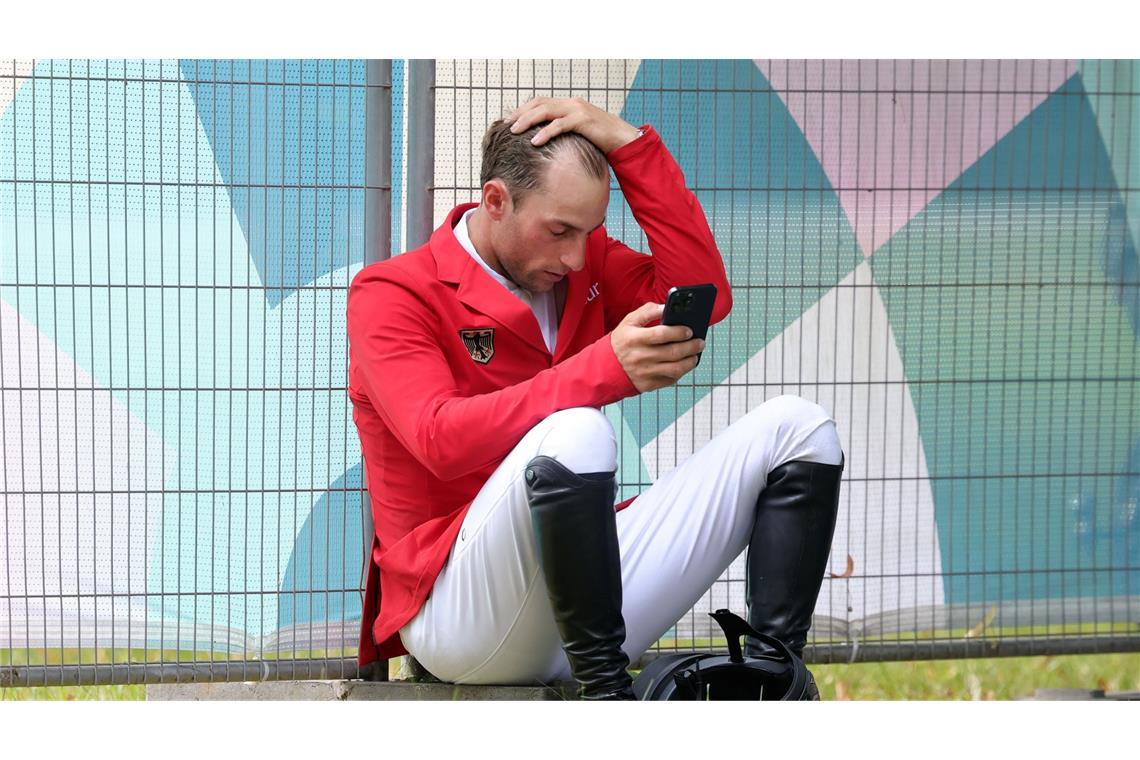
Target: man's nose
[575, 259]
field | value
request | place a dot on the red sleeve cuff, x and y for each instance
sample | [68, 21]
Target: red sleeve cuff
[621, 381]
[604, 373]
[649, 137]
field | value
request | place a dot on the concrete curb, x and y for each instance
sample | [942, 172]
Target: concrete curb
[353, 691]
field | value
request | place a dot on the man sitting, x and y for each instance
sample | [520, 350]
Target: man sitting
[478, 365]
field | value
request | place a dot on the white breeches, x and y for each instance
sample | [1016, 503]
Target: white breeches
[488, 618]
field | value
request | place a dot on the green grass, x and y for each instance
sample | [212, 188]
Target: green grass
[72, 693]
[992, 678]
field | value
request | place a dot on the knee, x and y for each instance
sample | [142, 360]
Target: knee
[808, 425]
[790, 412]
[794, 407]
[582, 439]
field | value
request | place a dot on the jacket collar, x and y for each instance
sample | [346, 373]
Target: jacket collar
[480, 292]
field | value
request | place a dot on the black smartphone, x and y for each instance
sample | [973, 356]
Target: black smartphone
[691, 306]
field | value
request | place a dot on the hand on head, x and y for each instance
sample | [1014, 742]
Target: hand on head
[603, 129]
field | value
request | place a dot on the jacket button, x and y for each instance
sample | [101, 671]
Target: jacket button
[530, 475]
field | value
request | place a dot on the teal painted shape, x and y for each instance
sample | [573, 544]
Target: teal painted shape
[777, 221]
[325, 571]
[292, 155]
[1111, 88]
[1021, 362]
[82, 249]
[632, 476]
[1120, 263]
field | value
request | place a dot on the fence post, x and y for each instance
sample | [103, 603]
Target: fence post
[421, 151]
[377, 161]
[419, 193]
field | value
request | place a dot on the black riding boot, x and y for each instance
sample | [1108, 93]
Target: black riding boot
[787, 555]
[575, 535]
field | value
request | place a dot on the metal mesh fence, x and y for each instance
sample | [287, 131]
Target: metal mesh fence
[940, 253]
[182, 491]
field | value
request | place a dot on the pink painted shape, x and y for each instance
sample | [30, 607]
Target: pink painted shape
[904, 130]
[17, 72]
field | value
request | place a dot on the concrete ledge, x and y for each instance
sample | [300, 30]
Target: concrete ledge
[353, 690]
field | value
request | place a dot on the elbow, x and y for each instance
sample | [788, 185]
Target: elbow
[441, 464]
[444, 470]
[437, 452]
[723, 303]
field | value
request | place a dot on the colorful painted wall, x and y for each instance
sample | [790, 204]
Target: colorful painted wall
[942, 254]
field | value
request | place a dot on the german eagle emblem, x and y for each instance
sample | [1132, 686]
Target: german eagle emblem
[480, 343]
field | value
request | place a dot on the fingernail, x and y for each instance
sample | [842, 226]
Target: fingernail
[688, 334]
[701, 343]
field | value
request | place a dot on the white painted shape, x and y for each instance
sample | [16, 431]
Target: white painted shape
[13, 73]
[69, 526]
[841, 354]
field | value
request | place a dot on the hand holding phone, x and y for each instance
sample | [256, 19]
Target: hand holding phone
[658, 356]
[691, 306]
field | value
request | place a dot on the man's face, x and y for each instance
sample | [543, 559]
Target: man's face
[538, 241]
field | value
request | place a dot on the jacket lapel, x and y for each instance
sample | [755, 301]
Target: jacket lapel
[477, 289]
[578, 285]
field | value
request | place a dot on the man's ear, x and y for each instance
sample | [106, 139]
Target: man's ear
[497, 201]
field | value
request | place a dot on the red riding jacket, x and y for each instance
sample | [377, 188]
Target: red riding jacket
[448, 370]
